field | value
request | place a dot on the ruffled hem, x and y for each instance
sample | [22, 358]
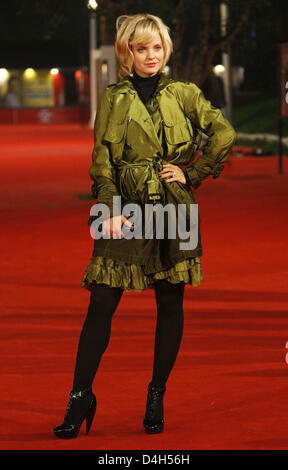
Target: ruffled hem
[131, 277]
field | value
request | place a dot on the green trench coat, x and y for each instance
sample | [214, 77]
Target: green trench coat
[128, 154]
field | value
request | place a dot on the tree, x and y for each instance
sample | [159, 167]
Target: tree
[196, 38]
[53, 31]
[44, 33]
[208, 40]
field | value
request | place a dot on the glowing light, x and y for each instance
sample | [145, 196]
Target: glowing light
[54, 71]
[92, 4]
[4, 75]
[166, 70]
[29, 73]
[104, 68]
[219, 69]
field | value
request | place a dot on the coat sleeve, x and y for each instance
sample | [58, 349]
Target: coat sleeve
[220, 133]
[102, 170]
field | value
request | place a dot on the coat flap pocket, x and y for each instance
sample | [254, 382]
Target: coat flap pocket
[177, 133]
[115, 132]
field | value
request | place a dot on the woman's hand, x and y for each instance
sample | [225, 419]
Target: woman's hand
[112, 226]
[168, 170]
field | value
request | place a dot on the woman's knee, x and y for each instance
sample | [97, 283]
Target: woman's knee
[104, 299]
[169, 297]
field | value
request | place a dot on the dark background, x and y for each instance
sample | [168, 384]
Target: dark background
[42, 33]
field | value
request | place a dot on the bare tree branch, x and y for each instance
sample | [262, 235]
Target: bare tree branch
[178, 39]
[233, 34]
[200, 55]
[205, 31]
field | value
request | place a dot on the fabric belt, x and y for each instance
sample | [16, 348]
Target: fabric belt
[149, 176]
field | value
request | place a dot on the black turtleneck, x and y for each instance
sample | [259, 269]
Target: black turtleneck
[145, 86]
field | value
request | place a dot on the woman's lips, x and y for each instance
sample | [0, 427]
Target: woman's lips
[151, 65]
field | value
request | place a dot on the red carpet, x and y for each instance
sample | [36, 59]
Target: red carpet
[229, 385]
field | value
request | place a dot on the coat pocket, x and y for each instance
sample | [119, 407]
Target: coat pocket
[177, 133]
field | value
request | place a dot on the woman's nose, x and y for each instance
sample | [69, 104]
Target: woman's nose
[150, 54]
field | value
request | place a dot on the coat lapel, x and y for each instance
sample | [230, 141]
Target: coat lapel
[138, 111]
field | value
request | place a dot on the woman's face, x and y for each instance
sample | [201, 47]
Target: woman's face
[148, 58]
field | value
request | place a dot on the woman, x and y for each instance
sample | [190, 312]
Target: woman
[146, 127]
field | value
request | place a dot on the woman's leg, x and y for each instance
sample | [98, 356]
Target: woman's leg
[93, 341]
[95, 334]
[169, 329]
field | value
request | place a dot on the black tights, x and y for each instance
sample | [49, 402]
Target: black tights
[96, 331]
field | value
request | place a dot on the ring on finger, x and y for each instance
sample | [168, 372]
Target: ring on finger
[174, 174]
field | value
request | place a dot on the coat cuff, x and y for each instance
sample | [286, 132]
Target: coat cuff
[193, 177]
[188, 182]
[103, 190]
[217, 170]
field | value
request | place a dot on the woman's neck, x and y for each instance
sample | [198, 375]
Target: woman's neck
[140, 77]
[145, 86]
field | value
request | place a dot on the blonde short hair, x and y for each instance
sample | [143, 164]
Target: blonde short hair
[136, 29]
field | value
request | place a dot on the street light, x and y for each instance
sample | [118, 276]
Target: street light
[29, 73]
[219, 69]
[92, 5]
[4, 75]
[54, 71]
[224, 16]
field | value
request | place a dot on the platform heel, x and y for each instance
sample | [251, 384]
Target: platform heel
[83, 399]
[154, 416]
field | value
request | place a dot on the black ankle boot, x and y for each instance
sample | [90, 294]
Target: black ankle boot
[154, 420]
[82, 405]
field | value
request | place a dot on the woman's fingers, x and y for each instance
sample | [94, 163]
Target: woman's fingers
[127, 222]
[115, 229]
[167, 172]
[181, 178]
[106, 227]
[112, 226]
[168, 169]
